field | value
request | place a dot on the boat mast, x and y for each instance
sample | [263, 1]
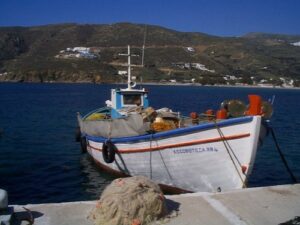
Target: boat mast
[129, 83]
[129, 70]
[143, 49]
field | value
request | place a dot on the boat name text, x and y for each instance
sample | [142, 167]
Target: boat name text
[195, 150]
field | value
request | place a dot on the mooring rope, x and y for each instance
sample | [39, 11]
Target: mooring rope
[228, 149]
[225, 141]
[282, 156]
[165, 165]
[151, 155]
[150, 159]
[30, 220]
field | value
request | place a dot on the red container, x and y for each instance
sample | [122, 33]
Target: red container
[221, 114]
[194, 115]
[254, 105]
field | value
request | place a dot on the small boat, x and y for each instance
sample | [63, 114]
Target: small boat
[200, 152]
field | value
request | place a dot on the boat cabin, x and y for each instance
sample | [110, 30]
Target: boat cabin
[126, 98]
[123, 99]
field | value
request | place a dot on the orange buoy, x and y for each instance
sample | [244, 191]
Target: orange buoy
[244, 168]
[221, 114]
[136, 222]
[210, 114]
[194, 115]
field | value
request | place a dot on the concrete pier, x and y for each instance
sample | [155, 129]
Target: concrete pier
[265, 205]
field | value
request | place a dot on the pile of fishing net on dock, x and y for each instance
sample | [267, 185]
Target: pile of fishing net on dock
[129, 201]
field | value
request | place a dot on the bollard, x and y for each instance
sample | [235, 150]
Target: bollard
[3, 199]
[5, 211]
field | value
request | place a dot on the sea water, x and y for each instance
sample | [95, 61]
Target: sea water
[40, 161]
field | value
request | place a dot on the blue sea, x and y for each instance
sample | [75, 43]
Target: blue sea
[40, 162]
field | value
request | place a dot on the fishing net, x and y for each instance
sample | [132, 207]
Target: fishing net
[131, 125]
[129, 201]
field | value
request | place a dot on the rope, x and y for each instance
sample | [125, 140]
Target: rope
[151, 155]
[30, 220]
[110, 129]
[226, 142]
[228, 149]
[161, 159]
[282, 156]
[165, 165]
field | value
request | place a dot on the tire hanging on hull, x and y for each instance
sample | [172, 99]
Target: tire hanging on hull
[108, 151]
[83, 144]
[77, 134]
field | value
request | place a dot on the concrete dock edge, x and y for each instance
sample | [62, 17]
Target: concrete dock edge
[261, 206]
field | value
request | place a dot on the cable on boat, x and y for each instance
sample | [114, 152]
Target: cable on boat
[225, 141]
[151, 155]
[295, 180]
[150, 160]
[229, 149]
[165, 165]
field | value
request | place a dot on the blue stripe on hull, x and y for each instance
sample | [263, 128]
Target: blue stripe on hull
[172, 133]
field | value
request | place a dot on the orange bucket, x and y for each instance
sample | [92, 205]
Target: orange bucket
[255, 105]
[221, 114]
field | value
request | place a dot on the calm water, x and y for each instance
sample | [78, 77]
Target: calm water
[40, 161]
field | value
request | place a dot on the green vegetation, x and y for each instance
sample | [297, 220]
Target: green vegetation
[28, 54]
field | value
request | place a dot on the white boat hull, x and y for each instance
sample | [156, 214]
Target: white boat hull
[214, 157]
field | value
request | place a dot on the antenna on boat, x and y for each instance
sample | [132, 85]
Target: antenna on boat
[143, 49]
[130, 84]
[273, 99]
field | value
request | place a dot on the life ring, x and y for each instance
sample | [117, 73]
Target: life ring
[83, 144]
[108, 151]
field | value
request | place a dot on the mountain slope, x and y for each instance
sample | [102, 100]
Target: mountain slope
[28, 54]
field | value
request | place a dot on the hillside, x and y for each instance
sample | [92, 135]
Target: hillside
[46, 54]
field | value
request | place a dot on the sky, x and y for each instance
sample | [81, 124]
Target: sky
[215, 17]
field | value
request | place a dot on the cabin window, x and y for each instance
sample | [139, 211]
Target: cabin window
[132, 99]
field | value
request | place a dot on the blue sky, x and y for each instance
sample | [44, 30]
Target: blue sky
[217, 17]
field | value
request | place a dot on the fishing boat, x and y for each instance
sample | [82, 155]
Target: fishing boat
[210, 151]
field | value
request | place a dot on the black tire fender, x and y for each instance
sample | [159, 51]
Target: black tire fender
[108, 151]
[83, 144]
[77, 134]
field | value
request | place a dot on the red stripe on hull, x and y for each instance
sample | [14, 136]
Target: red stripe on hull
[211, 140]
